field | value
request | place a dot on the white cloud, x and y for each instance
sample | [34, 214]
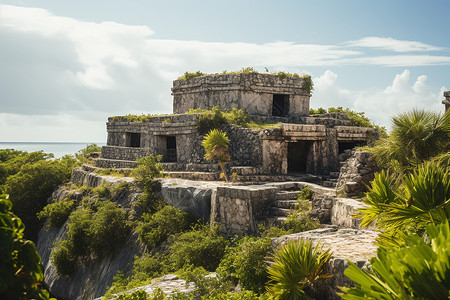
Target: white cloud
[379, 105]
[392, 44]
[66, 69]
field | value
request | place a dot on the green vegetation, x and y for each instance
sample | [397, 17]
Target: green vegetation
[357, 118]
[142, 118]
[418, 270]
[246, 264]
[308, 85]
[295, 268]
[57, 213]
[100, 231]
[410, 203]
[216, 148]
[20, 269]
[155, 229]
[201, 247]
[145, 173]
[113, 172]
[83, 155]
[416, 137]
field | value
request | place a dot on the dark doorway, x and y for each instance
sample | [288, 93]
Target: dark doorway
[133, 139]
[171, 149]
[298, 154]
[349, 145]
[280, 105]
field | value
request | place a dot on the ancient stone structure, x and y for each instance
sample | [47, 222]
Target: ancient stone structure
[300, 144]
[257, 94]
[446, 101]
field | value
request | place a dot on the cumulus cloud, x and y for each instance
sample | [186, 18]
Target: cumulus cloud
[59, 68]
[392, 44]
[380, 104]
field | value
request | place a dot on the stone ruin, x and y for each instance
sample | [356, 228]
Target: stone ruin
[300, 144]
[446, 101]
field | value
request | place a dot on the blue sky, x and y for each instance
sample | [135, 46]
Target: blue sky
[66, 66]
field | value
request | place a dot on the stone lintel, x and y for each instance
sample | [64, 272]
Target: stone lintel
[352, 136]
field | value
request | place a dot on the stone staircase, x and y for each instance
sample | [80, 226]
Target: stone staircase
[331, 180]
[284, 203]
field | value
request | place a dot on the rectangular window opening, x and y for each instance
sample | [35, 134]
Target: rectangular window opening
[280, 105]
[171, 149]
[133, 139]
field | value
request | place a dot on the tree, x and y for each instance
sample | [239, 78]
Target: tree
[20, 269]
[216, 147]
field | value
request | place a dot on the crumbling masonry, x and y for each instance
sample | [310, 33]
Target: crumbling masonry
[300, 144]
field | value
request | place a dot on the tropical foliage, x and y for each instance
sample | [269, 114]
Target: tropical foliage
[419, 270]
[416, 137]
[296, 267]
[216, 147]
[409, 203]
[20, 270]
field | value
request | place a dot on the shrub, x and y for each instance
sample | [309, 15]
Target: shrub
[244, 295]
[109, 229]
[99, 232]
[205, 284]
[246, 263]
[149, 168]
[154, 229]
[20, 269]
[211, 119]
[64, 259]
[78, 234]
[299, 220]
[201, 247]
[30, 188]
[83, 154]
[295, 267]
[414, 271]
[57, 213]
[102, 191]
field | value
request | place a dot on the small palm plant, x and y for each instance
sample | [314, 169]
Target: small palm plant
[216, 147]
[296, 266]
[414, 271]
[416, 136]
[409, 203]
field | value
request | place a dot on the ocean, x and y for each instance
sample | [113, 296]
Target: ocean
[58, 149]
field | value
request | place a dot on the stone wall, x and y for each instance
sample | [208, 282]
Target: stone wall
[446, 101]
[250, 92]
[357, 172]
[236, 208]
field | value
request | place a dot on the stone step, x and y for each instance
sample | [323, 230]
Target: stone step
[329, 183]
[115, 163]
[291, 204]
[209, 176]
[277, 211]
[334, 174]
[273, 221]
[287, 195]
